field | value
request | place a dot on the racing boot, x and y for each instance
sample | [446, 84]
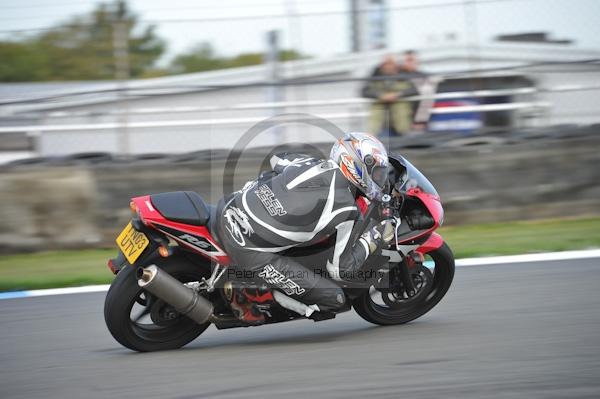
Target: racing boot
[250, 304]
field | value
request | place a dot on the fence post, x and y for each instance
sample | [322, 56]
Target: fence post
[121, 56]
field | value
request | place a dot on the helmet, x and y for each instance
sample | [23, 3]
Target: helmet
[363, 160]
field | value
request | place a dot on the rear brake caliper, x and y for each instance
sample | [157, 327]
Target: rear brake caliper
[163, 314]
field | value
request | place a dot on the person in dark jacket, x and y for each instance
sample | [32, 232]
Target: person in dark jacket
[390, 115]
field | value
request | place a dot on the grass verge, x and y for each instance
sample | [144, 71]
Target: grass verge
[73, 268]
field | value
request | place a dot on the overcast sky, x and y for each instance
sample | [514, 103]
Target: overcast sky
[327, 34]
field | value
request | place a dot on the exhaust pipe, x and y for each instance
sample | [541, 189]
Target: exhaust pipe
[185, 300]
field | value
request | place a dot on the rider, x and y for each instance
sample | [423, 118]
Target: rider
[302, 201]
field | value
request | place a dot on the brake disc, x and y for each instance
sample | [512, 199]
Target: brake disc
[395, 297]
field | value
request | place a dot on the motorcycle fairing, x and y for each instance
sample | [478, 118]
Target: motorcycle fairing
[195, 237]
[432, 243]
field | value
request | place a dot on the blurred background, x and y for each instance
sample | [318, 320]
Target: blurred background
[496, 101]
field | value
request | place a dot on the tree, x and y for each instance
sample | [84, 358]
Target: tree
[81, 48]
[203, 57]
[200, 58]
[22, 62]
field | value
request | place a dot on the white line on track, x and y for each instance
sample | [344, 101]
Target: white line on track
[54, 291]
[541, 257]
[492, 260]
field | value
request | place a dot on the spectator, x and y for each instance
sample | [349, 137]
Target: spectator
[390, 116]
[420, 109]
[410, 63]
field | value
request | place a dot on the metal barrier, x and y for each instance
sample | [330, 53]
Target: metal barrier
[352, 114]
[284, 105]
[299, 104]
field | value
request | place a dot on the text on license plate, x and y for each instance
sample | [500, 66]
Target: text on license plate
[132, 243]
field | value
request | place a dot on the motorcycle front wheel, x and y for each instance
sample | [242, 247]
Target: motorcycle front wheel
[144, 323]
[386, 308]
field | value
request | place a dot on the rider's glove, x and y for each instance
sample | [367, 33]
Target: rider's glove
[381, 235]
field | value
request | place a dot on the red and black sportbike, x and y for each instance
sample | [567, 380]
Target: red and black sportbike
[171, 272]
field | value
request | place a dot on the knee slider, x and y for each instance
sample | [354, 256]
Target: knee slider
[335, 299]
[340, 297]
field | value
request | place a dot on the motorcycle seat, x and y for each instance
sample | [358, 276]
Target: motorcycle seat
[182, 206]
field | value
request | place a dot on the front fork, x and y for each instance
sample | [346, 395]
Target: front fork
[406, 263]
[414, 258]
[406, 277]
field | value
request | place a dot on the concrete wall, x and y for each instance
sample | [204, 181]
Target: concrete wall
[479, 181]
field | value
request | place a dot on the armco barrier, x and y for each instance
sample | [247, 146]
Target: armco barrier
[81, 205]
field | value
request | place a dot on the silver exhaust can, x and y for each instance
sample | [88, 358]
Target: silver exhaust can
[185, 300]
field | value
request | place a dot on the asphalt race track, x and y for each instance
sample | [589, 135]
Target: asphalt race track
[505, 331]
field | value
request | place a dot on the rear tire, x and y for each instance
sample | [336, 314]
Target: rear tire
[442, 279]
[123, 294]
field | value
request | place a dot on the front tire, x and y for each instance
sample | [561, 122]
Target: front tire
[161, 333]
[443, 274]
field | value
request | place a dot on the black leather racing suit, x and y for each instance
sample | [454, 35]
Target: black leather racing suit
[302, 201]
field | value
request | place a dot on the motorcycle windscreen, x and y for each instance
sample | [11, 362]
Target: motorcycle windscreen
[414, 179]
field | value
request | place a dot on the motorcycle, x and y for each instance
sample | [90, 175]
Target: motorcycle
[171, 282]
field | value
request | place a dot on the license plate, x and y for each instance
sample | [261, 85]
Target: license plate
[132, 243]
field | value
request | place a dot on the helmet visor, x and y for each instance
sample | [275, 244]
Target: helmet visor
[379, 174]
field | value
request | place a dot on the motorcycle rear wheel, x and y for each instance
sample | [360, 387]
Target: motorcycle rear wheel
[443, 274]
[171, 332]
